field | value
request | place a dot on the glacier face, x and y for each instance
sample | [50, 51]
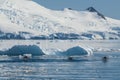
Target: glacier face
[25, 19]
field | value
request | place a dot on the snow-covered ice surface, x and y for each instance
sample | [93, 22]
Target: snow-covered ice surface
[25, 19]
[59, 68]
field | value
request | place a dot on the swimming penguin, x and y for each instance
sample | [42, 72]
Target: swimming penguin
[70, 58]
[105, 59]
[25, 57]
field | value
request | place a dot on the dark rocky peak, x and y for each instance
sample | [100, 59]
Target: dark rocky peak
[92, 9]
[70, 8]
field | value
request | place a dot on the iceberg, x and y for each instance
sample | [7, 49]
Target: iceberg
[35, 50]
[23, 49]
[77, 51]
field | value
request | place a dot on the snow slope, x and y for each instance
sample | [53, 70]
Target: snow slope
[25, 19]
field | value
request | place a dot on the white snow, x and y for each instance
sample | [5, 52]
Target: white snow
[27, 16]
[7, 27]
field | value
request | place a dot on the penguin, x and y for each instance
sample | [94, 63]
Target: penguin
[25, 58]
[70, 58]
[105, 59]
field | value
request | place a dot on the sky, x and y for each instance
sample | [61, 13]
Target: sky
[109, 8]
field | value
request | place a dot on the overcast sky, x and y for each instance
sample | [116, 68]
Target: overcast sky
[110, 8]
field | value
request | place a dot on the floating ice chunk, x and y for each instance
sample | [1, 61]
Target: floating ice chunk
[23, 49]
[52, 51]
[77, 51]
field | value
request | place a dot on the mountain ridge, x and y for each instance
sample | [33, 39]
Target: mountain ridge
[25, 19]
[92, 9]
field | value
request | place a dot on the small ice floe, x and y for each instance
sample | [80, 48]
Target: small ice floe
[106, 50]
[4, 57]
[52, 51]
[118, 49]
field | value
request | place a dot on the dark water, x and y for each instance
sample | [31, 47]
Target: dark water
[84, 68]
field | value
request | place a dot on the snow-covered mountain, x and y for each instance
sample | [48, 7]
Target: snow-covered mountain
[25, 19]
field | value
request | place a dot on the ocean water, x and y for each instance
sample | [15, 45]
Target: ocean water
[60, 68]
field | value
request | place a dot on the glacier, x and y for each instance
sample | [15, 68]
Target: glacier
[25, 19]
